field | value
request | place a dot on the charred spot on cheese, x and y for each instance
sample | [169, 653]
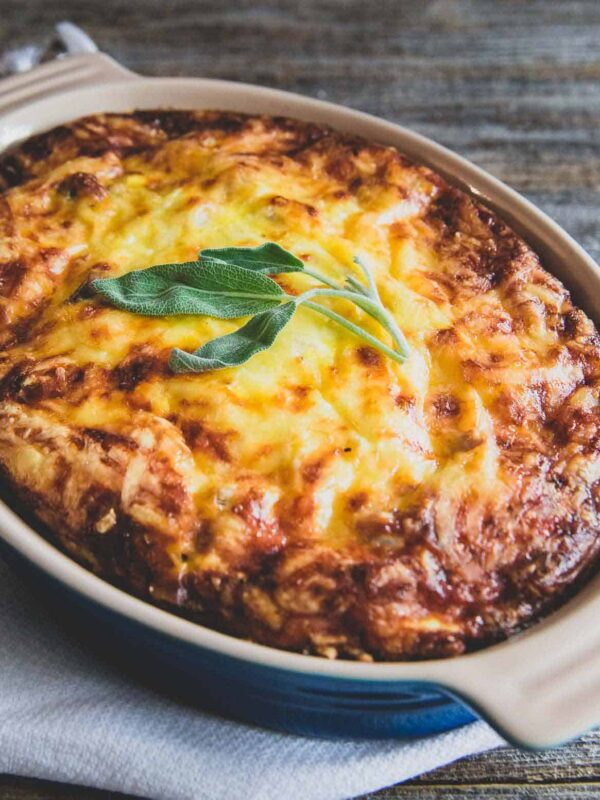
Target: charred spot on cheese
[199, 437]
[41, 146]
[446, 405]
[30, 383]
[312, 471]
[321, 497]
[81, 184]
[369, 357]
[358, 500]
[11, 171]
[141, 364]
[11, 275]
[173, 123]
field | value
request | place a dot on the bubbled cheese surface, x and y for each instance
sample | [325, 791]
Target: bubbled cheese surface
[321, 496]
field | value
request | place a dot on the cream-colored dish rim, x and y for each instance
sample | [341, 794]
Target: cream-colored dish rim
[540, 687]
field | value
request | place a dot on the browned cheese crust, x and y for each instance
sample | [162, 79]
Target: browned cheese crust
[320, 498]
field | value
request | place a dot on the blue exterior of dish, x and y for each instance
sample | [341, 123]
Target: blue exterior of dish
[299, 703]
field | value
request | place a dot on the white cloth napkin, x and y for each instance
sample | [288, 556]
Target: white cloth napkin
[66, 717]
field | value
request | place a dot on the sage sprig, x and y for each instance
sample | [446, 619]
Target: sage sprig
[232, 282]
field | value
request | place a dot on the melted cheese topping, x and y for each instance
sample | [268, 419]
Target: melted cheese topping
[319, 444]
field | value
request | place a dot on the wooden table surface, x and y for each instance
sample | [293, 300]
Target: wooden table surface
[514, 85]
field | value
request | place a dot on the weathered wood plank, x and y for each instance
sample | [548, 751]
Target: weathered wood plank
[582, 791]
[512, 84]
[578, 761]
[15, 788]
[569, 771]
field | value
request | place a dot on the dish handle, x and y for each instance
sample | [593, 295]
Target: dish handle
[540, 688]
[70, 72]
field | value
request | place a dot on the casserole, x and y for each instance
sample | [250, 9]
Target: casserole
[338, 704]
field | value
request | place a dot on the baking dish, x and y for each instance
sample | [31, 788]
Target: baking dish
[538, 688]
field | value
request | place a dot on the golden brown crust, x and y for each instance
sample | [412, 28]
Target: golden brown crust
[324, 499]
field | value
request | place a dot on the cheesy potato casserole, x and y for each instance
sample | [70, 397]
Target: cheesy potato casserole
[320, 497]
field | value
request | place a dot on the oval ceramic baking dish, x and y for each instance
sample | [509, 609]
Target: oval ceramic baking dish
[539, 688]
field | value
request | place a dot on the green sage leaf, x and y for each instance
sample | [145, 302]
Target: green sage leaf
[235, 348]
[210, 288]
[269, 258]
